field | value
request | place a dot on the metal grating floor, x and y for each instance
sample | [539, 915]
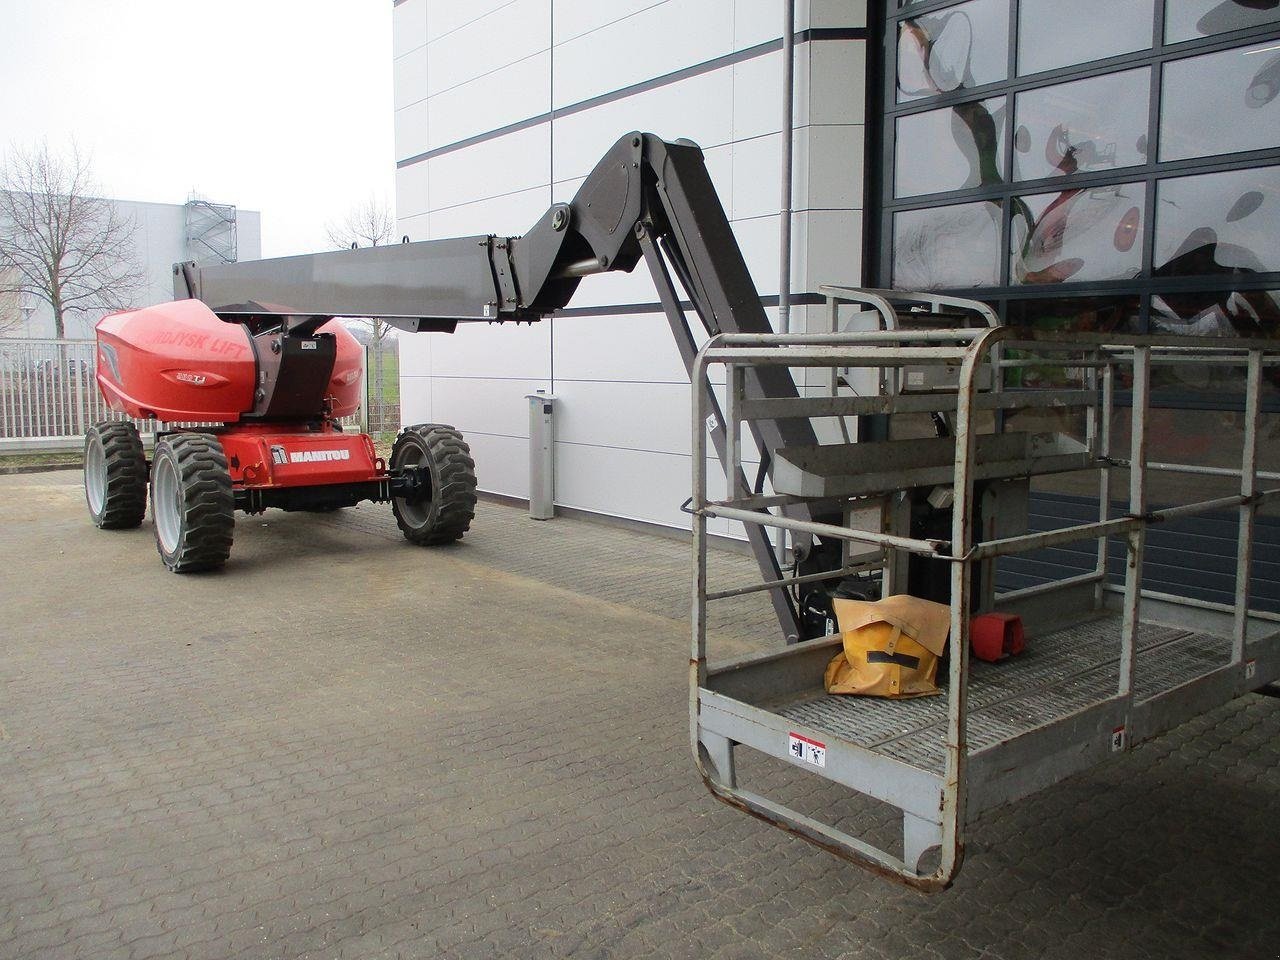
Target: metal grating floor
[1058, 674]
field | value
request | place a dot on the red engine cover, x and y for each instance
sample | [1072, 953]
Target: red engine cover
[178, 361]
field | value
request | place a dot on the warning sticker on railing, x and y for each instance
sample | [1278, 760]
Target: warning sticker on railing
[806, 750]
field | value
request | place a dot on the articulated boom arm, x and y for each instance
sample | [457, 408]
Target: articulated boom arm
[643, 185]
[646, 199]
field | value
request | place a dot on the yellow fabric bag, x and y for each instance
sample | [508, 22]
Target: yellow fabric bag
[891, 647]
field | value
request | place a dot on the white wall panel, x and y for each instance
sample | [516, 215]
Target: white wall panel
[409, 78]
[412, 130]
[494, 350]
[415, 398]
[642, 416]
[502, 463]
[514, 32]
[513, 93]
[476, 405]
[699, 108]
[517, 161]
[562, 191]
[829, 166]
[653, 42]
[757, 100]
[757, 181]
[446, 16]
[416, 227]
[408, 26]
[634, 347]
[415, 353]
[831, 241]
[577, 17]
[757, 21]
[831, 13]
[411, 190]
[836, 76]
[758, 240]
[719, 161]
[623, 483]
[505, 216]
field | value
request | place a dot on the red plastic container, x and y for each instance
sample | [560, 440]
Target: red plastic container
[994, 636]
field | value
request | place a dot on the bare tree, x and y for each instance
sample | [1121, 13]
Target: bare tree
[59, 243]
[10, 302]
[368, 224]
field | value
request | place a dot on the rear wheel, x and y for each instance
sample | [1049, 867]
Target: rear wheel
[115, 475]
[192, 502]
[445, 503]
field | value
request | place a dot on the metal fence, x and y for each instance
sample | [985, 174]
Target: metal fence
[49, 396]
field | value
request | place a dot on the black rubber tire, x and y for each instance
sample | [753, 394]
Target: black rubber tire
[201, 524]
[445, 510]
[119, 477]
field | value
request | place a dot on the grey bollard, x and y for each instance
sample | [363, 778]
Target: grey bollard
[542, 482]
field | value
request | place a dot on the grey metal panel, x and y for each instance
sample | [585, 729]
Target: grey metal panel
[877, 775]
[859, 469]
[441, 279]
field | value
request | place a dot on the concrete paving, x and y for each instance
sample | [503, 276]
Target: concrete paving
[345, 746]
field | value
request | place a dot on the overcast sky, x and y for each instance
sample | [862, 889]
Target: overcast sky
[281, 106]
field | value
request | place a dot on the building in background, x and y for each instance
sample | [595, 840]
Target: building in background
[1104, 164]
[166, 233]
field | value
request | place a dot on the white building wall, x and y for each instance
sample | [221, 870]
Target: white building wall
[503, 108]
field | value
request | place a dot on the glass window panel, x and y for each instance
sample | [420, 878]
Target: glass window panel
[953, 49]
[1090, 234]
[1094, 124]
[1090, 314]
[1219, 313]
[1221, 103]
[1218, 223]
[952, 246]
[949, 149]
[1188, 19]
[1055, 33]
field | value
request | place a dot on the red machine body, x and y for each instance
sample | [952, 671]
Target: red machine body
[263, 455]
[179, 362]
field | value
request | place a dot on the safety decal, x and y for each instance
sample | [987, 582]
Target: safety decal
[806, 750]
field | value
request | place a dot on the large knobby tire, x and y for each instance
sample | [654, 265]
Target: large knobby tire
[443, 509]
[115, 475]
[191, 502]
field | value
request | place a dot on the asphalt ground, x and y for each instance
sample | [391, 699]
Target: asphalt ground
[345, 746]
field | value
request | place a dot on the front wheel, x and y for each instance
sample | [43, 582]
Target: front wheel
[192, 502]
[442, 508]
[115, 475]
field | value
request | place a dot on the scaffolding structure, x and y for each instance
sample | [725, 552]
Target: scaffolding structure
[211, 231]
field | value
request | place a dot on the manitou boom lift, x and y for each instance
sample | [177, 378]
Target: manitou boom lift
[253, 348]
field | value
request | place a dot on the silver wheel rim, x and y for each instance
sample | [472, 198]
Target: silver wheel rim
[95, 475]
[418, 510]
[166, 502]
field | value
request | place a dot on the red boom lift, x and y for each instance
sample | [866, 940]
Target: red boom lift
[253, 349]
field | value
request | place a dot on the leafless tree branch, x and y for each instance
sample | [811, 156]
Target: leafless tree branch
[59, 243]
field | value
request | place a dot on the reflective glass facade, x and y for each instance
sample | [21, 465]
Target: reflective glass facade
[1121, 156]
